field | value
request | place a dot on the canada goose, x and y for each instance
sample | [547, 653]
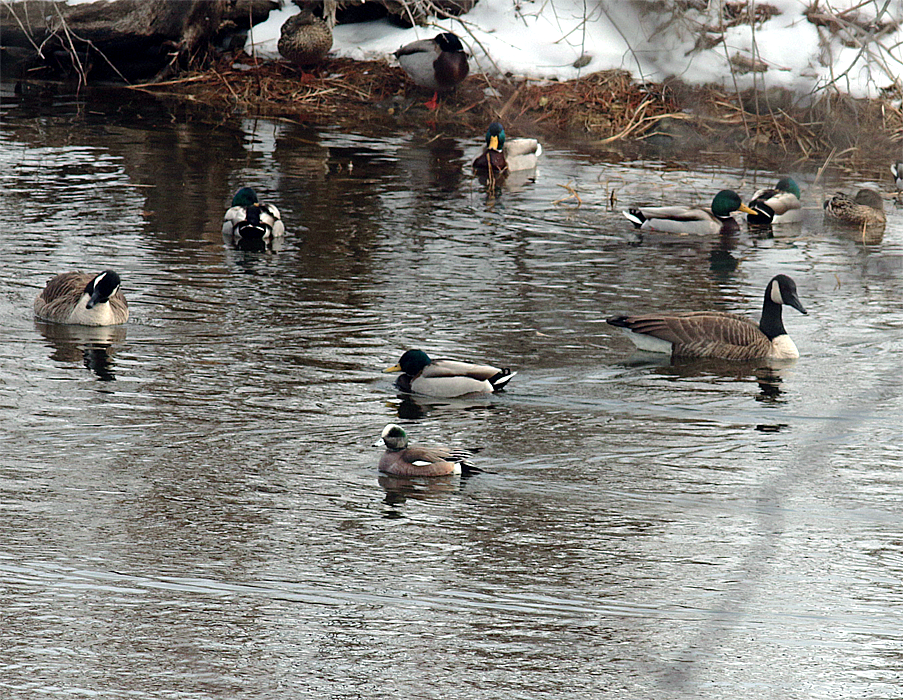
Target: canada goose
[305, 39]
[401, 459]
[511, 154]
[866, 209]
[719, 334]
[81, 299]
[689, 219]
[447, 378]
[777, 205]
[437, 64]
[897, 171]
[248, 222]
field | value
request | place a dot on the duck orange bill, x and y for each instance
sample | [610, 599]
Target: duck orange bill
[394, 368]
[746, 210]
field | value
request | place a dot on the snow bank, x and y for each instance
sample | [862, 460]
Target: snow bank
[549, 39]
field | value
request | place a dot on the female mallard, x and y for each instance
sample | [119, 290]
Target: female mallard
[402, 459]
[249, 222]
[718, 334]
[695, 220]
[864, 210]
[502, 155]
[447, 378]
[777, 205]
[305, 38]
[81, 299]
[437, 64]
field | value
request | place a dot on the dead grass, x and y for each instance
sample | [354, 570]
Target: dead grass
[604, 108]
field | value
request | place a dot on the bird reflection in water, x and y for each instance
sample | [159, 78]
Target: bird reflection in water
[90, 345]
[414, 406]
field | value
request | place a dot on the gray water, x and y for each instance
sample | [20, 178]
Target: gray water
[190, 504]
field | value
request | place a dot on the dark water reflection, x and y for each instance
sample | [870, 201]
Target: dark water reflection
[211, 524]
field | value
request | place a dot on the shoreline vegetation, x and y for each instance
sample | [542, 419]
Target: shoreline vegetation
[606, 110]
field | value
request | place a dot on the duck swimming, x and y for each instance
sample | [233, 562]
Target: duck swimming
[864, 210]
[501, 154]
[690, 219]
[403, 459]
[777, 205]
[250, 223]
[447, 378]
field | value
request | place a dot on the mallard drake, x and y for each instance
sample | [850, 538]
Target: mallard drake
[81, 299]
[695, 220]
[897, 171]
[866, 209]
[718, 334]
[447, 378]
[249, 222]
[305, 38]
[502, 155]
[402, 459]
[437, 64]
[777, 205]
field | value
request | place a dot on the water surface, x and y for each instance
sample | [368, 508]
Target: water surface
[190, 503]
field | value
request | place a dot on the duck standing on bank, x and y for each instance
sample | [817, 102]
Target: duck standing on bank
[249, 222]
[305, 39]
[437, 64]
[718, 334]
[777, 205]
[82, 299]
[506, 155]
[447, 378]
[690, 219]
[403, 459]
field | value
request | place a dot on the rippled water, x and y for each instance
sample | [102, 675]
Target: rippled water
[190, 505]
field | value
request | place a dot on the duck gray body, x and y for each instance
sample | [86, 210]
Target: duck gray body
[249, 222]
[437, 64]
[447, 378]
[82, 299]
[719, 334]
[403, 459]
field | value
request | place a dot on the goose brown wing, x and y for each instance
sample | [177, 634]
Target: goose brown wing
[704, 334]
[64, 285]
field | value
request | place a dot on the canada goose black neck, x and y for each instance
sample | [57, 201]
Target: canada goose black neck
[780, 290]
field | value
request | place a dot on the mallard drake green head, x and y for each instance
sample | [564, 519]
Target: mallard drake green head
[403, 459]
[688, 219]
[777, 205]
[865, 210]
[718, 334]
[249, 223]
[447, 378]
[502, 155]
[81, 299]
[305, 39]
[438, 64]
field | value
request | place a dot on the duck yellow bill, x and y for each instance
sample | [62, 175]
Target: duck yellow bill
[494, 143]
[746, 210]
[394, 368]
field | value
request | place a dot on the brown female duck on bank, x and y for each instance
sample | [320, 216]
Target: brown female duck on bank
[403, 459]
[865, 210]
[305, 39]
[690, 219]
[82, 299]
[506, 155]
[437, 64]
[447, 378]
[718, 334]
